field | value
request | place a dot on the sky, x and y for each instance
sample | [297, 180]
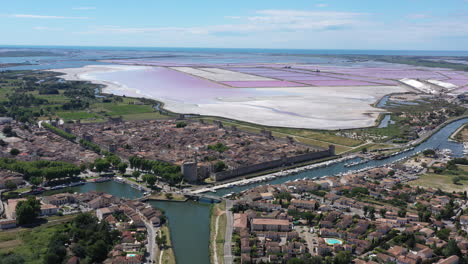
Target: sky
[268, 24]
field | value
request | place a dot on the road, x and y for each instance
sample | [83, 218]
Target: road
[228, 258]
[151, 246]
[1, 203]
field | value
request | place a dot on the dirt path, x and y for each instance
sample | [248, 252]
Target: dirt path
[215, 250]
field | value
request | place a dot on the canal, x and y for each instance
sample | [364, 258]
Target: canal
[189, 221]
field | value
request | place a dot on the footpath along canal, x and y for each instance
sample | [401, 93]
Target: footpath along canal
[189, 221]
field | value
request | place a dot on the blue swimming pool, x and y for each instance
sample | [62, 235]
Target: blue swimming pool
[333, 241]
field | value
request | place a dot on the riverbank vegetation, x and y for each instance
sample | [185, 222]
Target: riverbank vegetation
[218, 222]
[167, 250]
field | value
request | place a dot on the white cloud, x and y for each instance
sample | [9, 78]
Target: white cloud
[321, 5]
[263, 21]
[41, 16]
[302, 29]
[40, 28]
[84, 8]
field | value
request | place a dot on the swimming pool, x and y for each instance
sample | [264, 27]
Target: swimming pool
[333, 241]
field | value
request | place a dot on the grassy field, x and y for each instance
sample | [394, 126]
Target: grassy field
[307, 136]
[461, 135]
[76, 115]
[442, 181]
[218, 210]
[168, 256]
[31, 243]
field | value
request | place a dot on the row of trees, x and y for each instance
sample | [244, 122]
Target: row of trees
[50, 170]
[59, 131]
[169, 172]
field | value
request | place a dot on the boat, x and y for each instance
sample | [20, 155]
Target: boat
[73, 184]
[102, 179]
[118, 179]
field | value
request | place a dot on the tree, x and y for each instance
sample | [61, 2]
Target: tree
[11, 259]
[443, 234]
[122, 167]
[10, 185]
[98, 251]
[136, 174]
[456, 180]
[101, 165]
[451, 249]
[383, 211]
[429, 152]
[14, 152]
[219, 166]
[149, 179]
[342, 257]
[27, 211]
[161, 240]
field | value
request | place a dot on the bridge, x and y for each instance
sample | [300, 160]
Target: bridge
[204, 197]
[192, 196]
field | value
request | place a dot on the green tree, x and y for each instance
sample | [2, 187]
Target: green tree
[456, 180]
[122, 167]
[11, 259]
[101, 165]
[342, 257]
[451, 249]
[443, 234]
[98, 251]
[14, 152]
[10, 185]
[429, 152]
[136, 174]
[149, 179]
[382, 212]
[219, 166]
[27, 211]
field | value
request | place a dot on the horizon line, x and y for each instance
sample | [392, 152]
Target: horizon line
[186, 47]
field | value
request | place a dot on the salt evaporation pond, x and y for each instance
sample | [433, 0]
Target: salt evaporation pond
[336, 107]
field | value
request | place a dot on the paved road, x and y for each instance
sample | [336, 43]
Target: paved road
[151, 246]
[228, 258]
[1, 203]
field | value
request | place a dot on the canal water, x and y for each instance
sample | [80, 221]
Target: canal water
[438, 140]
[189, 221]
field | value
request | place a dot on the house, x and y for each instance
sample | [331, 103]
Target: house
[450, 260]
[464, 220]
[267, 196]
[397, 251]
[261, 224]
[240, 221]
[309, 205]
[59, 199]
[48, 209]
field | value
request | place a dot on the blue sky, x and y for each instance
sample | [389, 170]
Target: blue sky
[295, 24]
